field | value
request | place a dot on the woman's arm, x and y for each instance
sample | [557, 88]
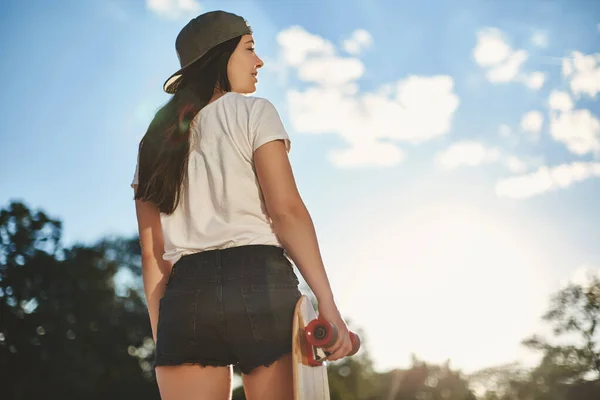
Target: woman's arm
[155, 270]
[293, 225]
[291, 221]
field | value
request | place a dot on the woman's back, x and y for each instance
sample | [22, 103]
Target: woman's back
[222, 204]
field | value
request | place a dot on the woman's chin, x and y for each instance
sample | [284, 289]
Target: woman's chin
[251, 88]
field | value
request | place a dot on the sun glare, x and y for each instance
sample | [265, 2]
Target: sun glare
[443, 282]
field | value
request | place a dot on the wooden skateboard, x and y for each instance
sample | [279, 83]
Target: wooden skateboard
[310, 336]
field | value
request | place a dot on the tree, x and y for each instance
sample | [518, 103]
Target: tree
[574, 311]
[353, 378]
[504, 382]
[567, 371]
[567, 368]
[423, 381]
[64, 333]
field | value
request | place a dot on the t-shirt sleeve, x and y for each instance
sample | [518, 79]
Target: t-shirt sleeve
[266, 125]
[135, 174]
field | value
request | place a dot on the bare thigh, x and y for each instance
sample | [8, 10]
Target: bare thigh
[193, 382]
[270, 383]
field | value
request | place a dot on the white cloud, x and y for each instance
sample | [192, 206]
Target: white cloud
[532, 122]
[560, 101]
[414, 109]
[322, 110]
[420, 109]
[466, 153]
[470, 153]
[491, 47]
[359, 41]
[516, 165]
[503, 64]
[298, 45]
[535, 80]
[546, 179]
[583, 72]
[567, 67]
[367, 154]
[331, 70]
[174, 9]
[579, 130]
[507, 71]
[540, 39]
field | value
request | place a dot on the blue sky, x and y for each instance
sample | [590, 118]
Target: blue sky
[447, 151]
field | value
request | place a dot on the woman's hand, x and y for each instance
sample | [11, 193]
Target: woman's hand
[343, 344]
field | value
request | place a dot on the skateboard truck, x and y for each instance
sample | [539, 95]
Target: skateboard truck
[319, 334]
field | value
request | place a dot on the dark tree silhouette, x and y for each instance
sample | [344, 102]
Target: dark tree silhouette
[64, 332]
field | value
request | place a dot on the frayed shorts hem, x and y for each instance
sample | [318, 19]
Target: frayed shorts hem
[184, 361]
[266, 361]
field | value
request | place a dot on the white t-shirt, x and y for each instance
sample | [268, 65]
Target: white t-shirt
[223, 205]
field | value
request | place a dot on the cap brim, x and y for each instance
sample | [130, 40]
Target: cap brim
[170, 85]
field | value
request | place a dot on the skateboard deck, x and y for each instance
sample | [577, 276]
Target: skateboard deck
[310, 336]
[310, 381]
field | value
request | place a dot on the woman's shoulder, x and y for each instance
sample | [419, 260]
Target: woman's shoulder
[255, 106]
[249, 100]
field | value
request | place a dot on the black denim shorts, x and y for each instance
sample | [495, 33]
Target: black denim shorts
[231, 306]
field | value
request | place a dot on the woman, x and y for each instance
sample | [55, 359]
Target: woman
[218, 214]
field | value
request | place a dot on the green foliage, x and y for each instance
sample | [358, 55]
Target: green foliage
[567, 371]
[423, 381]
[65, 333]
[352, 378]
[574, 311]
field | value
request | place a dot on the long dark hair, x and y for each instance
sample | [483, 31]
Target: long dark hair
[164, 149]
